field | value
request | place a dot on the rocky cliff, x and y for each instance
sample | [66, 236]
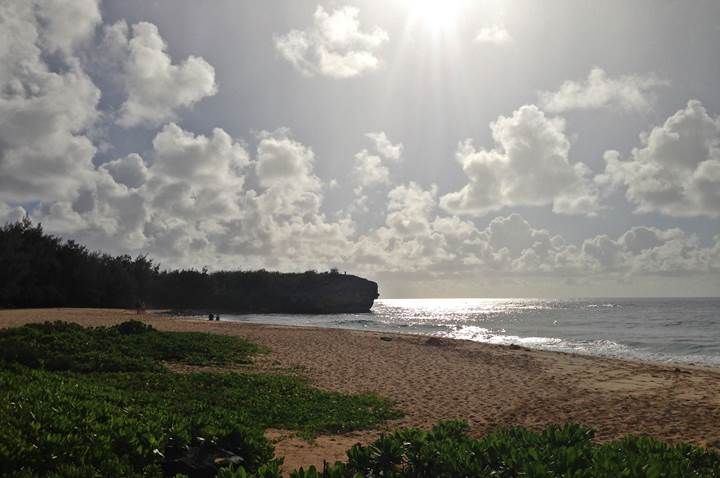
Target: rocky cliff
[324, 294]
[265, 292]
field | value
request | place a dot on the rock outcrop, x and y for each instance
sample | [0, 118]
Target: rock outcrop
[305, 293]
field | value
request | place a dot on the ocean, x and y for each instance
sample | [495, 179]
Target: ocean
[659, 330]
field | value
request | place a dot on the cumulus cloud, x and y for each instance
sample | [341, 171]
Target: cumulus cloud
[495, 34]
[528, 167]
[416, 239]
[284, 162]
[649, 250]
[372, 168]
[410, 208]
[407, 241]
[129, 171]
[282, 221]
[639, 251]
[168, 206]
[632, 93]
[67, 23]
[156, 88]
[217, 160]
[197, 210]
[369, 170]
[513, 233]
[389, 151]
[333, 46]
[44, 113]
[195, 177]
[676, 171]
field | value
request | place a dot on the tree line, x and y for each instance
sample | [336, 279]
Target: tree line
[43, 270]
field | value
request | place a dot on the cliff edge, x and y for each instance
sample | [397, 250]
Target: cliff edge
[263, 292]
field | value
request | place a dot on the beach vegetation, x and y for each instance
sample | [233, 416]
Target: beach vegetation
[131, 346]
[78, 402]
[559, 451]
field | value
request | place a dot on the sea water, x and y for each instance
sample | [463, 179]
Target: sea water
[661, 330]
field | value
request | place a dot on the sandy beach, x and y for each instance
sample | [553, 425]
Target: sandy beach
[487, 385]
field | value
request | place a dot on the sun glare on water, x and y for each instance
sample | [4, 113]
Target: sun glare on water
[438, 16]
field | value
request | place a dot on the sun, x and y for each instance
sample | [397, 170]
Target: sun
[438, 16]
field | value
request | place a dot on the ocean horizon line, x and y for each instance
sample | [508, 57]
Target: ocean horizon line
[555, 297]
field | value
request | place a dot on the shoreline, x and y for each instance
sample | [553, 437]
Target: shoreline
[488, 385]
[669, 363]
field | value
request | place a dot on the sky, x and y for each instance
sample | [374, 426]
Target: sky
[443, 148]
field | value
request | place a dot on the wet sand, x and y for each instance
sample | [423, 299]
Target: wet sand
[487, 385]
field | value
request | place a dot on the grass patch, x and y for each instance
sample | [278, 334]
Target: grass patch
[107, 407]
[128, 347]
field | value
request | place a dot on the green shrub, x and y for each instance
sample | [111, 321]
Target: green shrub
[52, 421]
[559, 451]
[565, 451]
[133, 327]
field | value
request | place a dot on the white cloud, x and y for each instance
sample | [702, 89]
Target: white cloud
[676, 171]
[602, 252]
[408, 240]
[156, 87]
[282, 221]
[633, 93]
[188, 205]
[67, 23]
[10, 214]
[169, 206]
[495, 34]
[528, 167]
[214, 161]
[44, 152]
[129, 171]
[410, 208]
[292, 194]
[417, 241]
[333, 46]
[372, 169]
[369, 170]
[389, 151]
[195, 179]
[649, 250]
[641, 238]
[284, 162]
[515, 234]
